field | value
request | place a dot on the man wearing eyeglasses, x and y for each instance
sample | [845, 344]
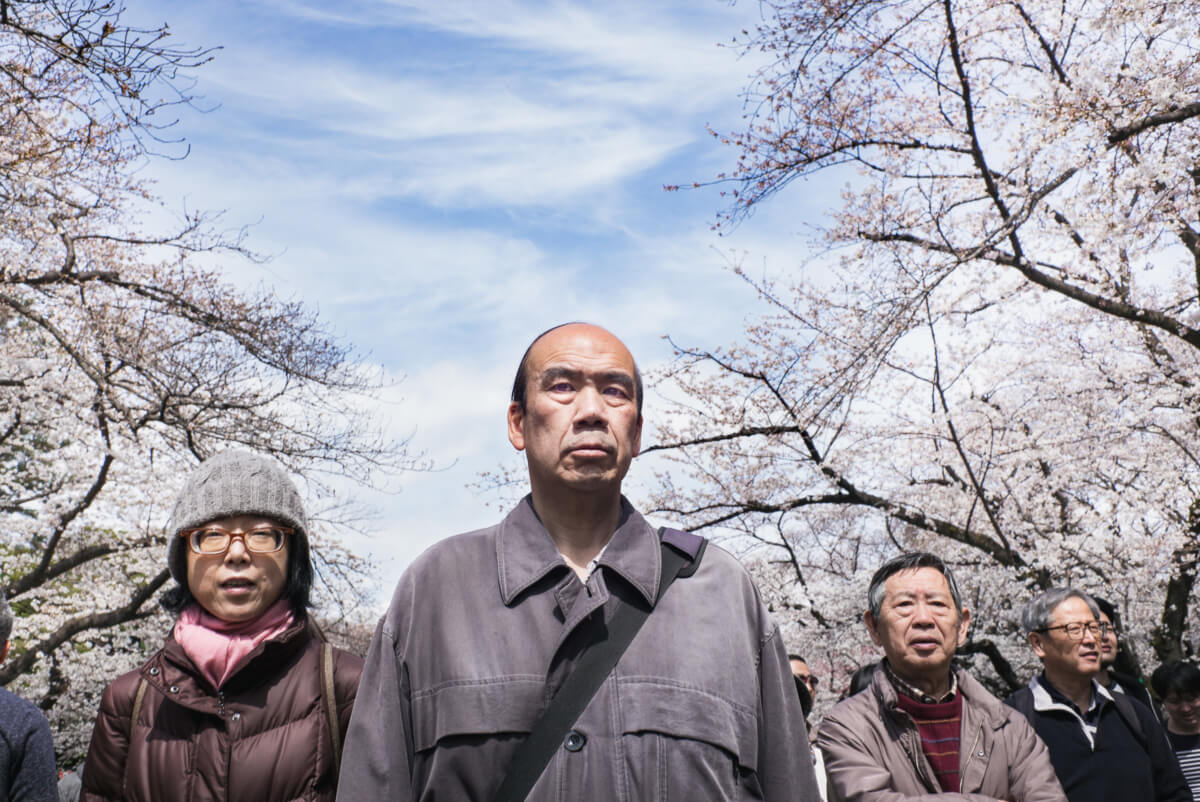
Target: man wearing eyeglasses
[803, 674]
[924, 729]
[1104, 747]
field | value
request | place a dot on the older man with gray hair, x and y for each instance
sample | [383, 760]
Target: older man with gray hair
[27, 770]
[925, 729]
[1104, 747]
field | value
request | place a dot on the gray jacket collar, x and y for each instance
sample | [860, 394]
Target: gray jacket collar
[525, 553]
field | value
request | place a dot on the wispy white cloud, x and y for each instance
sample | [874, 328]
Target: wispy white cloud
[667, 42]
[577, 99]
[444, 180]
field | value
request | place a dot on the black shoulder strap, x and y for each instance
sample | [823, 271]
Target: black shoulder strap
[1125, 706]
[681, 553]
[1022, 701]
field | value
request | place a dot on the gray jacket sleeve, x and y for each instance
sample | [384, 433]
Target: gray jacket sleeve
[377, 756]
[785, 766]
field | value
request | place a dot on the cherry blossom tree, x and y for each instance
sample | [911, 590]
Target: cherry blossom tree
[996, 351]
[124, 359]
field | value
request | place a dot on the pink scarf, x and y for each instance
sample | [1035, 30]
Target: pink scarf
[218, 648]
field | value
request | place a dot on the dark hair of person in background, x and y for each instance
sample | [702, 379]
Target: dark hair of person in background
[806, 700]
[1107, 608]
[860, 680]
[1126, 663]
[1176, 679]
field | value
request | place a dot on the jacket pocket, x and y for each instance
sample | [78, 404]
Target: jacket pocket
[686, 743]
[473, 708]
[465, 732]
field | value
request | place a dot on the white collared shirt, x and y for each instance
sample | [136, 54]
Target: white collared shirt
[592, 564]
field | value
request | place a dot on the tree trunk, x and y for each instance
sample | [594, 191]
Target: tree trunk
[1168, 636]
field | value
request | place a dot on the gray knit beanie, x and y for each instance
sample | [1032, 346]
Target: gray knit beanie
[232, 483]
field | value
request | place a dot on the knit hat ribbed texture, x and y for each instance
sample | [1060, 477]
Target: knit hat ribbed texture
[232, 483]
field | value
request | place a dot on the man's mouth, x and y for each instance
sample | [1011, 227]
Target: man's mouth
[591, 449]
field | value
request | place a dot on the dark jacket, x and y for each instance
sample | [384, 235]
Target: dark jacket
[873, 751]
[484, 627]
[263, 738]
[1128, 758]
[27, 771]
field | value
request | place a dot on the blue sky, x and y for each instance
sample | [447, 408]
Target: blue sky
[443, 180]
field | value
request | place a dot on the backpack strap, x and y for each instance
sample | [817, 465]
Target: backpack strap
[1125, 706]
[688, 544]
[138, 698]
[1022, 701]
[595, 664]
[327, 691]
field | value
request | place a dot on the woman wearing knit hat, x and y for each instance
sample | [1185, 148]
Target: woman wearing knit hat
[245, 700]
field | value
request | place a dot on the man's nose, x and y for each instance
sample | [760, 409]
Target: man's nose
[590, 407]
[922, 614]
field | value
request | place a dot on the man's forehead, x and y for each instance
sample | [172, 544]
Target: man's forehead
[1072, 608]
[578, 345]
[909, 581]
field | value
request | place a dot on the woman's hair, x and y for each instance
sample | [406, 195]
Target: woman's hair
[297, 589]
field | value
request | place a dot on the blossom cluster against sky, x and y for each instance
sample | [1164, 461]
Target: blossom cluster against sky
[444, 180]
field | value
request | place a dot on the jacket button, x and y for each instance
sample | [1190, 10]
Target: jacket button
[574, 741]
[174, 689]
[154, 671]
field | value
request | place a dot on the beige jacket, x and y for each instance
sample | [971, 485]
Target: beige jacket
[873, 751]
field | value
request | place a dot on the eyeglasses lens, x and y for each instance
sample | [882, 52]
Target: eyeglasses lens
[217, 541]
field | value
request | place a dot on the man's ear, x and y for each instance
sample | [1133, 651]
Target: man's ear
[964, 625]
[516, 426]
[1035, 643]
[869, 623]
[637, 439]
